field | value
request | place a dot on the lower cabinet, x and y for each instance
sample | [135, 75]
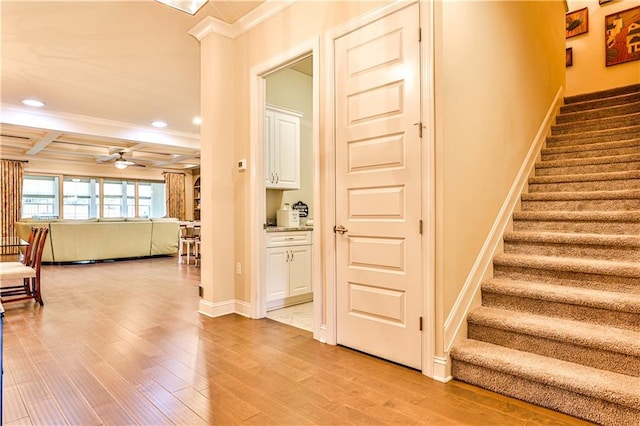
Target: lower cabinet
[288, 267]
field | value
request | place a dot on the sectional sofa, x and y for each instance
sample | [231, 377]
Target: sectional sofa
[102, 239]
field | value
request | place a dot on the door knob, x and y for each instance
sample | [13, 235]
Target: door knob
[340, 229]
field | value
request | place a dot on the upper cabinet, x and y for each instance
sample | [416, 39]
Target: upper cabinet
[282, 148]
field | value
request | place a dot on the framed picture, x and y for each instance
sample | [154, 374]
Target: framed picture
[568, 56]
[576, 22]
[622, 36]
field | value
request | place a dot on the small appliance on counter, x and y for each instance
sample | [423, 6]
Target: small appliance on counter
[288, 217]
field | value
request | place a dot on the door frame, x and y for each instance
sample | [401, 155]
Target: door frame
[430, 364]
[257, 192]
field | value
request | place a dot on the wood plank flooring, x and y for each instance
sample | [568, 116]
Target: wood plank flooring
[122, 343]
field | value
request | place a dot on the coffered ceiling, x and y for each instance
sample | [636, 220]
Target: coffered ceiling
[105, 69]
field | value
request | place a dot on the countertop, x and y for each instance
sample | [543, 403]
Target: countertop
[287, 229]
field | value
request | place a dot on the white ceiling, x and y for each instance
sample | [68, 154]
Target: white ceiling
[105, 69]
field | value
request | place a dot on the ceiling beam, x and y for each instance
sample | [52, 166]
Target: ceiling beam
[42, 143]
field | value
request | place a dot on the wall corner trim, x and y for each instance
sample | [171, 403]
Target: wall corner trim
[463, 304]
[252, 19]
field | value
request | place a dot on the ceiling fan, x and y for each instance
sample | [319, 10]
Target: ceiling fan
[122, 163]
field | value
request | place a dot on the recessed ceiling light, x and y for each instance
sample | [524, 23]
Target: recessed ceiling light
[159, 124]
[33, 103]
[197, 121]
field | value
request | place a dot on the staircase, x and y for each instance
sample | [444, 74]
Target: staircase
[559, 324]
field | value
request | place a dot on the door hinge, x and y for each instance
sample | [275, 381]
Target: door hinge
[420, 323]
[420, 226]
[420, 35]
[200, 291]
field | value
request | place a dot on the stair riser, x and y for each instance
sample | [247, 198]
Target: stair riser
[623, 253]
[566, 351]
[574, 279]
[582, 205]
[600, 103]
[562, 400]
[618, 319]
[592, 153]
[615, 135]
[616, 228]
[594, 125]
[593, 114]
[588, 168]
[598, 185]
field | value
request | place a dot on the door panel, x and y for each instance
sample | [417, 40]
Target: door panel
[378, 188]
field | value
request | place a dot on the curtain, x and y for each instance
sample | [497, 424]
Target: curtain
[11, 176]
[175, 195]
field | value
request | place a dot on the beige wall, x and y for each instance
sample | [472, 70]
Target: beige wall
[498, 66]
[293, 90]
[295, 25]
[589, 72]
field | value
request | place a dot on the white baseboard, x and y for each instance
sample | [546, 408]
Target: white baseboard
[456, 319]
[441, 369]
[243, 308]
[227, 307]
[217, 309]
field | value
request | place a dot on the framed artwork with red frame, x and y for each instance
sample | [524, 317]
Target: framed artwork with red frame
[622, 36]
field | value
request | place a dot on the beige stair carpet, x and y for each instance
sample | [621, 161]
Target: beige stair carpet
[559, 324]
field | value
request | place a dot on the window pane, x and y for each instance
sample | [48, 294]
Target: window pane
[40, 196]
[80, 198]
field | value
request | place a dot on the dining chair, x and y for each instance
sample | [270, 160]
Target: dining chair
[189, 236]
[26, 256]
[30, 275]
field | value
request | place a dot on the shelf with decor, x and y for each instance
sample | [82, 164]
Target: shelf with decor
[196, 199]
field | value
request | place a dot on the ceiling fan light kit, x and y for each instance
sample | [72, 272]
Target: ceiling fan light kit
[120, 164]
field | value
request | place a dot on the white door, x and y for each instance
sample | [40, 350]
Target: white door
[300, 270]
[287, 155]
[277, 269]
[378, 189]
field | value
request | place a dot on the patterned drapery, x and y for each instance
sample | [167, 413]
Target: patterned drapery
[11, 176]
[174, 183]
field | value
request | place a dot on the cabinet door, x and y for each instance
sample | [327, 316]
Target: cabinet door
[277, 273]
[269, 149]
[300, 270]
[287, 151]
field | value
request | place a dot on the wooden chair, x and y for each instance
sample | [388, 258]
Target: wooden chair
[26, 257]
[30, 275]
[189, 236]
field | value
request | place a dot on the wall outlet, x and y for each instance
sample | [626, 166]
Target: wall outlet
[238, 268]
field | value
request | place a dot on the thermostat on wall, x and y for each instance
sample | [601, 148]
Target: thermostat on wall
[242, 164]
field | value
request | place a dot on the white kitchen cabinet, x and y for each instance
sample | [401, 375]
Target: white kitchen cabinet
[282, 148]
[288, 268]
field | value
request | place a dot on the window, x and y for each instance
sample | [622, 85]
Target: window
[151, 199]
[91, 197]
[81, 198]
[40, 197]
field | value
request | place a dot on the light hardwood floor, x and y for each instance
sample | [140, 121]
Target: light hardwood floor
[122, 343]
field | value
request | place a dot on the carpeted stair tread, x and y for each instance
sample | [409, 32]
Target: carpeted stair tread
[608, 93]
[602, 112]
[567, 264]
[600, 299]
[625, 194]
[600, 102]
[584, 216]
[598, 149]
[595, 124]
[594, 136]
[624, 158]
[580, 333]
[616, 388]
[586, 177]
[628, 241]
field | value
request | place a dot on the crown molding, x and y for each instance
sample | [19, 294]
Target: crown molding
[252, 19]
